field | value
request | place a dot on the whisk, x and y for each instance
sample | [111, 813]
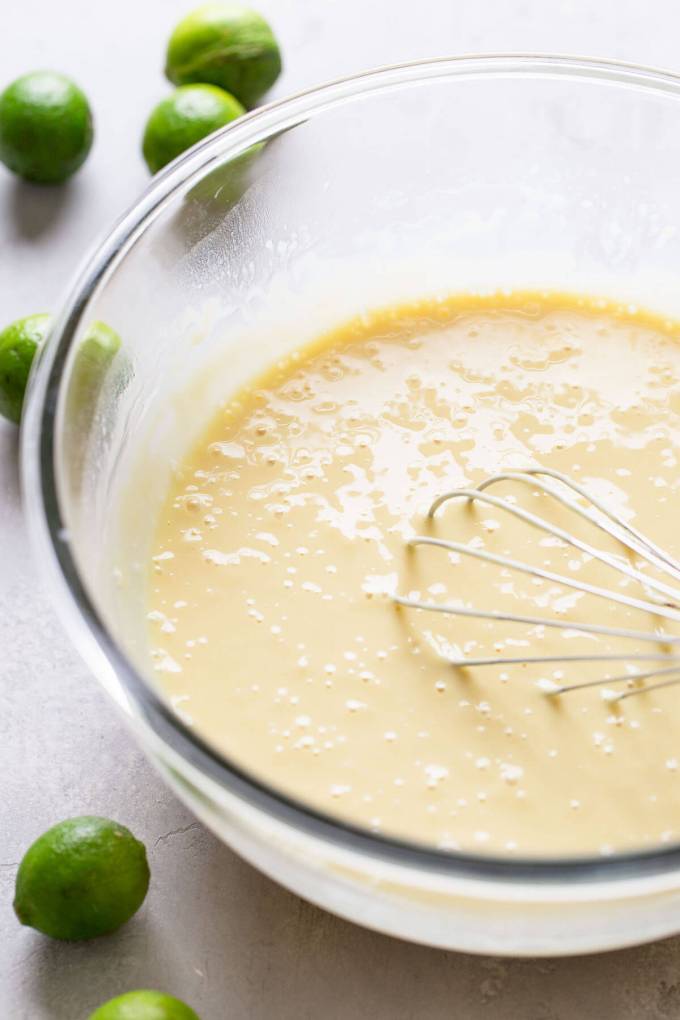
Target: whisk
[660, 597]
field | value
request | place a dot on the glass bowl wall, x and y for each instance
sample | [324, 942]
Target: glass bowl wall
[475, 173]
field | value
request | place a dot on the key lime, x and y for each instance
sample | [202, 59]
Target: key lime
[45, 127]
[18, 344]
[227, 45]
[144, 1005]
[191, 113]
[82, 878]
[226, 185]
[96, 351]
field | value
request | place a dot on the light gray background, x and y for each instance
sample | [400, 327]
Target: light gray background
[213, 931]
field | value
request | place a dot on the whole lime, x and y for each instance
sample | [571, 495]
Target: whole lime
[82, 878]
[191, 113]
[96, 351]
[18, 344]
[92, 361]
[226, 45]
[226, 184]
[144, 1005]
[45, 127]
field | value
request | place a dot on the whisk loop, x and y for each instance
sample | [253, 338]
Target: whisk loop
[661, 598]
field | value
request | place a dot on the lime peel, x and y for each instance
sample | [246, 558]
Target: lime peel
[18, 345]
[189, 114]
[46, 127]
[144, 1005]
[82, 878]
[227, 45]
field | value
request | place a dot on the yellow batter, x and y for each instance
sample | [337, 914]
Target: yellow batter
[284, 534]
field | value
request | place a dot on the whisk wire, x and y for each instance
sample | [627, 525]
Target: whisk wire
[536, 621]
[623, 677]
[548, 575]
[540, 660]
[662, 600]
[619, 529]
[539, 522]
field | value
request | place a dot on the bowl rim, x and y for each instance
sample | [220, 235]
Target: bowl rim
[47, 525]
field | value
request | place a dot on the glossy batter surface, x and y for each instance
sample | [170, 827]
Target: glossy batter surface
[271, 623]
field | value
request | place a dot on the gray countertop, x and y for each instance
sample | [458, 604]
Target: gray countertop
[214, 931]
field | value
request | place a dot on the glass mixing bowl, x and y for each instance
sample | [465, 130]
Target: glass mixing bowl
[440, 176]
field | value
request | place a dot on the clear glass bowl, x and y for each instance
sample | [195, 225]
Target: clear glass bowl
[441, 176]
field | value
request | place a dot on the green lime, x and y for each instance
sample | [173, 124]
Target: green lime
[18, 344]
[226, 45]
[144, 1005]
[184, 118]
[91, 368]
[91, 364]
[45, 127]
[83, 877]
[226, 185]
[96, 351]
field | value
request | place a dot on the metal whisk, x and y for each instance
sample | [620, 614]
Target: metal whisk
[659, 597]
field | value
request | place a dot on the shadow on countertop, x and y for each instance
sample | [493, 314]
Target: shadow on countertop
[34, 210]
[237, 947]
[10, 480]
